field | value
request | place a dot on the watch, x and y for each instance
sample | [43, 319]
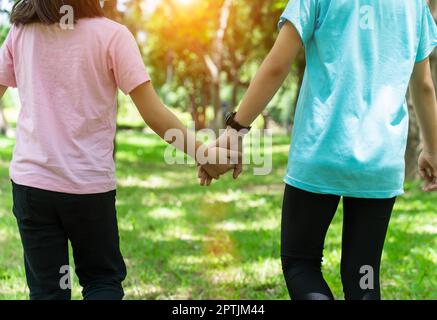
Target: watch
[230, 121]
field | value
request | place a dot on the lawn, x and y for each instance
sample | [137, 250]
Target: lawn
[181, 241]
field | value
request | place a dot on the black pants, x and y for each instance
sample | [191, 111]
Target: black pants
[305, 221]
[47, 220]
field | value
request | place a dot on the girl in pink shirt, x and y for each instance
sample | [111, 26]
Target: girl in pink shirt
[62, 170]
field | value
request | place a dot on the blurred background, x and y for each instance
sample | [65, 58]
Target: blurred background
[183, 241]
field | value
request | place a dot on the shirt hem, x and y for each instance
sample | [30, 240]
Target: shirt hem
[284, 18]
[80, 190]
[386, 194]
[7, 83]
[426, 55]
[135, 84]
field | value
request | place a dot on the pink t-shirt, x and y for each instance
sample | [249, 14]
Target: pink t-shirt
[67, 81]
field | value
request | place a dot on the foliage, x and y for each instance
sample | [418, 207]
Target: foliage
[182, 51]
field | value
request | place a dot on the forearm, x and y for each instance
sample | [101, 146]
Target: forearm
[263, 88]
[162, 121]
[425, 106]
[171, 129]
[270, 76]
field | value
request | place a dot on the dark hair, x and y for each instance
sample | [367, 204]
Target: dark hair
[48, 11]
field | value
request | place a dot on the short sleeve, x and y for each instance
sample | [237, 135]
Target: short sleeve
[303, 15]
[126, 61]
[428, 35]
[7, 71]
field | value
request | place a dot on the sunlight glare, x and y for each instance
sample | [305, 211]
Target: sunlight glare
[185, 2]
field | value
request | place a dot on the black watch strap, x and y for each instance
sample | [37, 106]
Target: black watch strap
[230, 121]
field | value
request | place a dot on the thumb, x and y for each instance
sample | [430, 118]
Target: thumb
[425, 170]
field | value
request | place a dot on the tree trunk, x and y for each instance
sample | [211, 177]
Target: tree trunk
[266, 119]
[214, 64]
[235, 89]
[197, 113]
[170, 69]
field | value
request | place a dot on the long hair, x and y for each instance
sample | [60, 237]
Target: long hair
[48, 11]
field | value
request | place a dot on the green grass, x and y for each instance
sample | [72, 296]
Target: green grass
[183, 241]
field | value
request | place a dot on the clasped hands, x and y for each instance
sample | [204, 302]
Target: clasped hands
[224, 155]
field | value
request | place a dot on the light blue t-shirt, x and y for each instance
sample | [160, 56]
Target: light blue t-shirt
[351, 122]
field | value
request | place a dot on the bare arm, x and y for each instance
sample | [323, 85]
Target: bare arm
[160, 119]
[425, 105]
[271, 75]
[263, 87]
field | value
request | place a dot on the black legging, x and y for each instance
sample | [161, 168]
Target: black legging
[305, 221]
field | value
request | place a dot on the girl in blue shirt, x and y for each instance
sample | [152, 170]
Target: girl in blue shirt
[350, 131]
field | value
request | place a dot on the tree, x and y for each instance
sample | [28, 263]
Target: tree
[252, 30]
[210, 48]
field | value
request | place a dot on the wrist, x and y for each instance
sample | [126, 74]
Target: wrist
[242, 121]
[231, 132]
[200, 151]
[232, 122]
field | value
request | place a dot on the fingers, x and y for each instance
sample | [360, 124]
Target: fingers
[237, 170]
[207, 174]
[428, 171]
[211, 172]
[223, 155]
[430, 186]
[200, 172]
[208, 181]
[205, 179]
[226, 160]
[427, 174]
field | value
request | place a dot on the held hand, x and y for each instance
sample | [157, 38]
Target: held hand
[208, 172]
[428, 170]
[232, 140]
[206, 179]
[220, 161]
